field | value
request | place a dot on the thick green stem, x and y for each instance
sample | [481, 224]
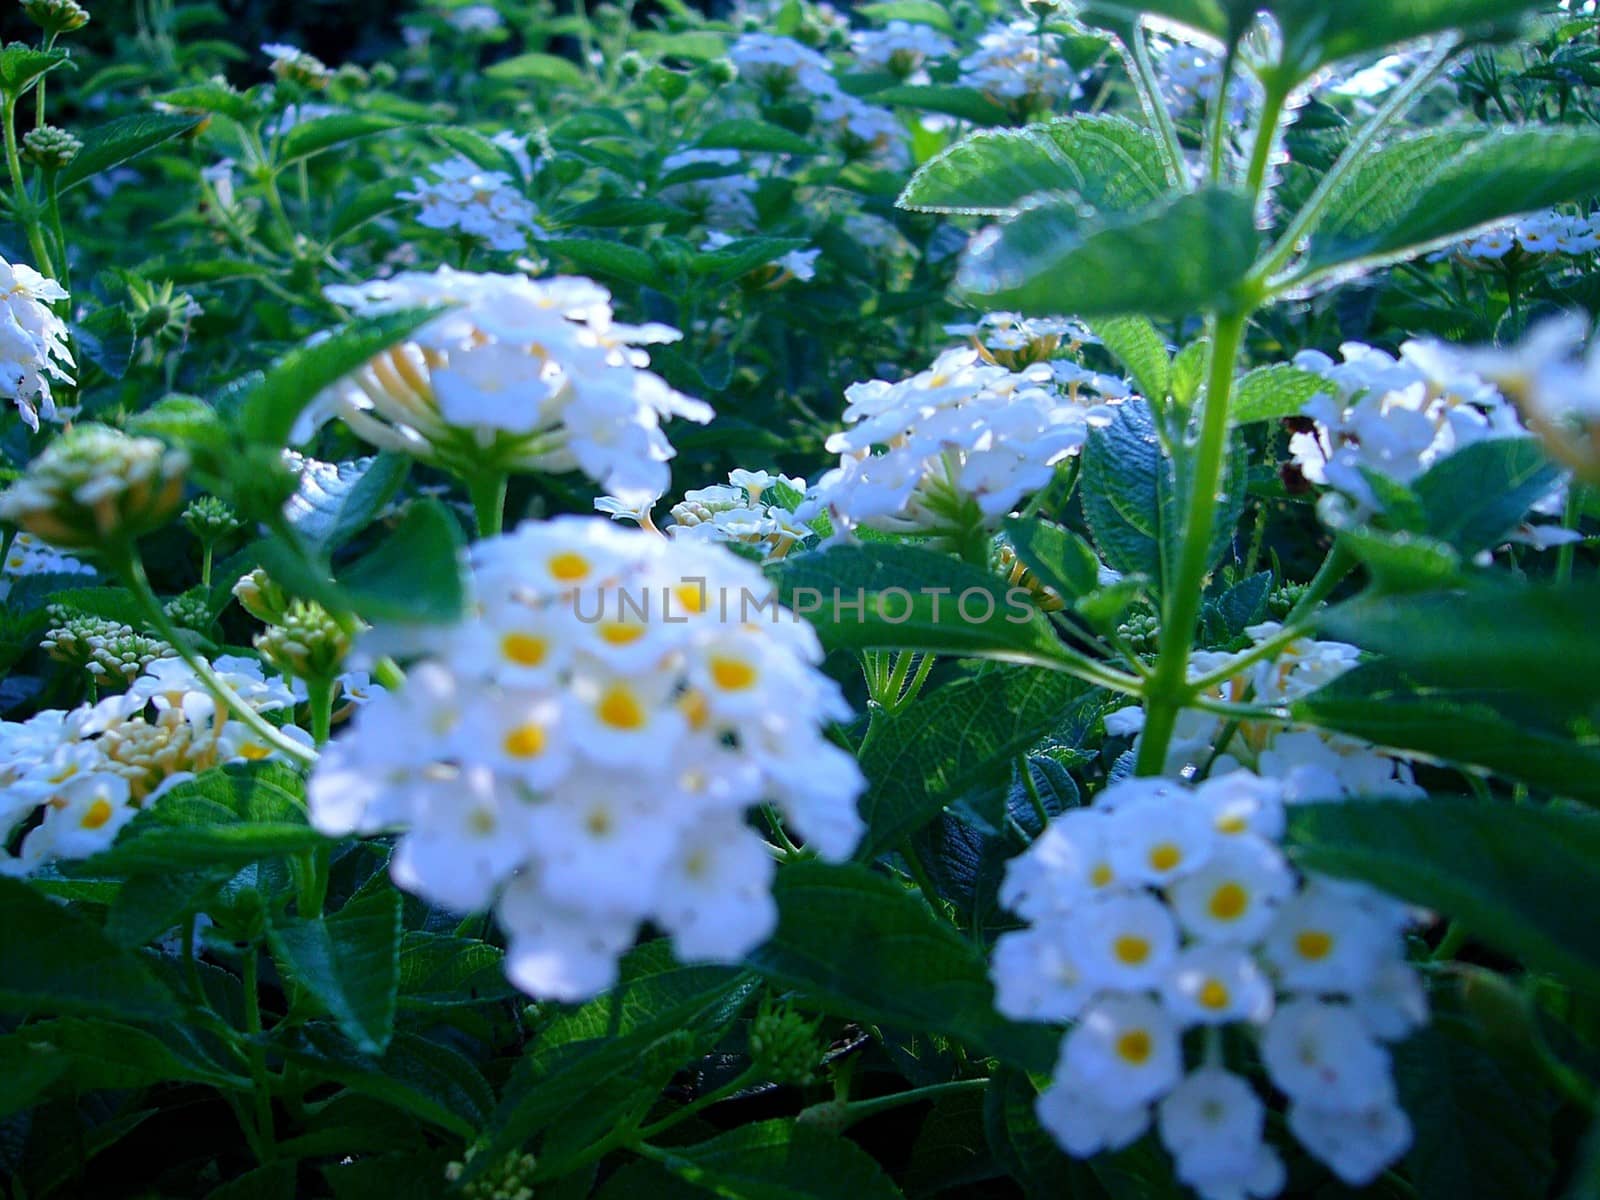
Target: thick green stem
[1168, 686]
[126, 562]
[857, 1110]
[1148, 84]
[24, 208]
[1266, 136]
[488, 492]
[262, 1091]
[319, 695]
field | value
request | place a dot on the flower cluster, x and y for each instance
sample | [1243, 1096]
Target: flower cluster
[901, 48]
[1393, 416]
[783, 69]
[1308, 764]
[33, 341]
[1161, 910]
[1016, 61]
[292, 64]
[93, 484]
[70, 780]
[1547, 232]
[518, 375]
[714, 185]
[961, 444]
[476, 203]
[29, 556]
[740, 513]
[1190, 76]
[110, 650]
[583, 752]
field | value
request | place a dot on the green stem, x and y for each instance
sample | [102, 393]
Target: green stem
[125, 561]
[732, 1087]
[1168, 686]
[1266, 136]
[1335, 567]
[1148, 84]
[1219, 116]
[261, 1092]
[1034, 798]
[1569, 520]
[1311, 212]
[488, 492]
[1455, 937]
[24, 209]
[206, 550]
[856, 1110]
[919, 874]
[319, 695]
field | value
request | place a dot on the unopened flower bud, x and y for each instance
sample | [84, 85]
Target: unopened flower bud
[56, 17]
[210, 519]
[263, 599]
[784, 1045]
[384, 75]
[721, 71]
[631, 65]
[94, 485]
[669, 85]
[50, 147]
[509, 1179]
[189, 612]
[110, 650]
[305, 642]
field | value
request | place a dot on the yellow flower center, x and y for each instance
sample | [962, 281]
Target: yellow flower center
[253, 752]
[1130, 949]
[1134, 1047]
[525, 741]
[99, 813]
[1229, 901]
[616, 633]
[524, 649]
[691, 597]
[599, 821]
[1232, 823]
[1313, 944]
[732, 674]
[692, 704]
[569, 566]
[620, 709]
[1101, 875]
[1214, 995]
[1165, 856]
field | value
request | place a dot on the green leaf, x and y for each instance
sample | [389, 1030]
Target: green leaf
[618, 260]
[1523, 880]
[336, 501]
[148, 905]
[1469, 728]
[110, 1054]
[1140, 349]
[1475, 497]
[1401, 562]
[368, 204]
[269, 407]
[759, 136]
[224, 818]
[956, 740]
[1429, 189]
[1107, 162]
[856, 595]
[1270, 393]
[26, 1071]
[1531, 639]
[55, 961]
[1481, 1130]
[780, 1160]
[1315, 35]
[440, 971]
[324, 133]
[415, 573]
[1053, 258]
[538, 68]
[21, 67]
[969, 104]
[917, 12]
[1128, 494]
[741, 256]
[861, 946]
[121, 139]
[350, 962]
[584, 1049]
[1189, 371]
[1058, 558]
[424, 1078]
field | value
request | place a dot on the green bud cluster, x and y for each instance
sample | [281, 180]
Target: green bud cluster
[262, 598]
[50, 147]
[1142, 633]
[784, 1045]
[108, 649]
[509, 1179]
[56, 17]
[305, 642]
[210, 519]
[1283, 599]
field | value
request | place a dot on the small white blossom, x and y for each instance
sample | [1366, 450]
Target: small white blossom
[33, 342]
[481, 204]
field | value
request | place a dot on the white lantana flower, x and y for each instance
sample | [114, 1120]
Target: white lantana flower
[583, 752]
[717, 186]
[72, 779]
[1015, 61]
[954, 447]
[1207, 925]
[519, 375]
[33, 342]
[482, 204]
[741, 512]
[900, 48]
[1305, 764]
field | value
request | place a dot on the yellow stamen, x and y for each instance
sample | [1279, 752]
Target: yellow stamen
[1131, 950]
[1135, 1047]
[1229, 901]
[1313, 944]
[619, 709]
